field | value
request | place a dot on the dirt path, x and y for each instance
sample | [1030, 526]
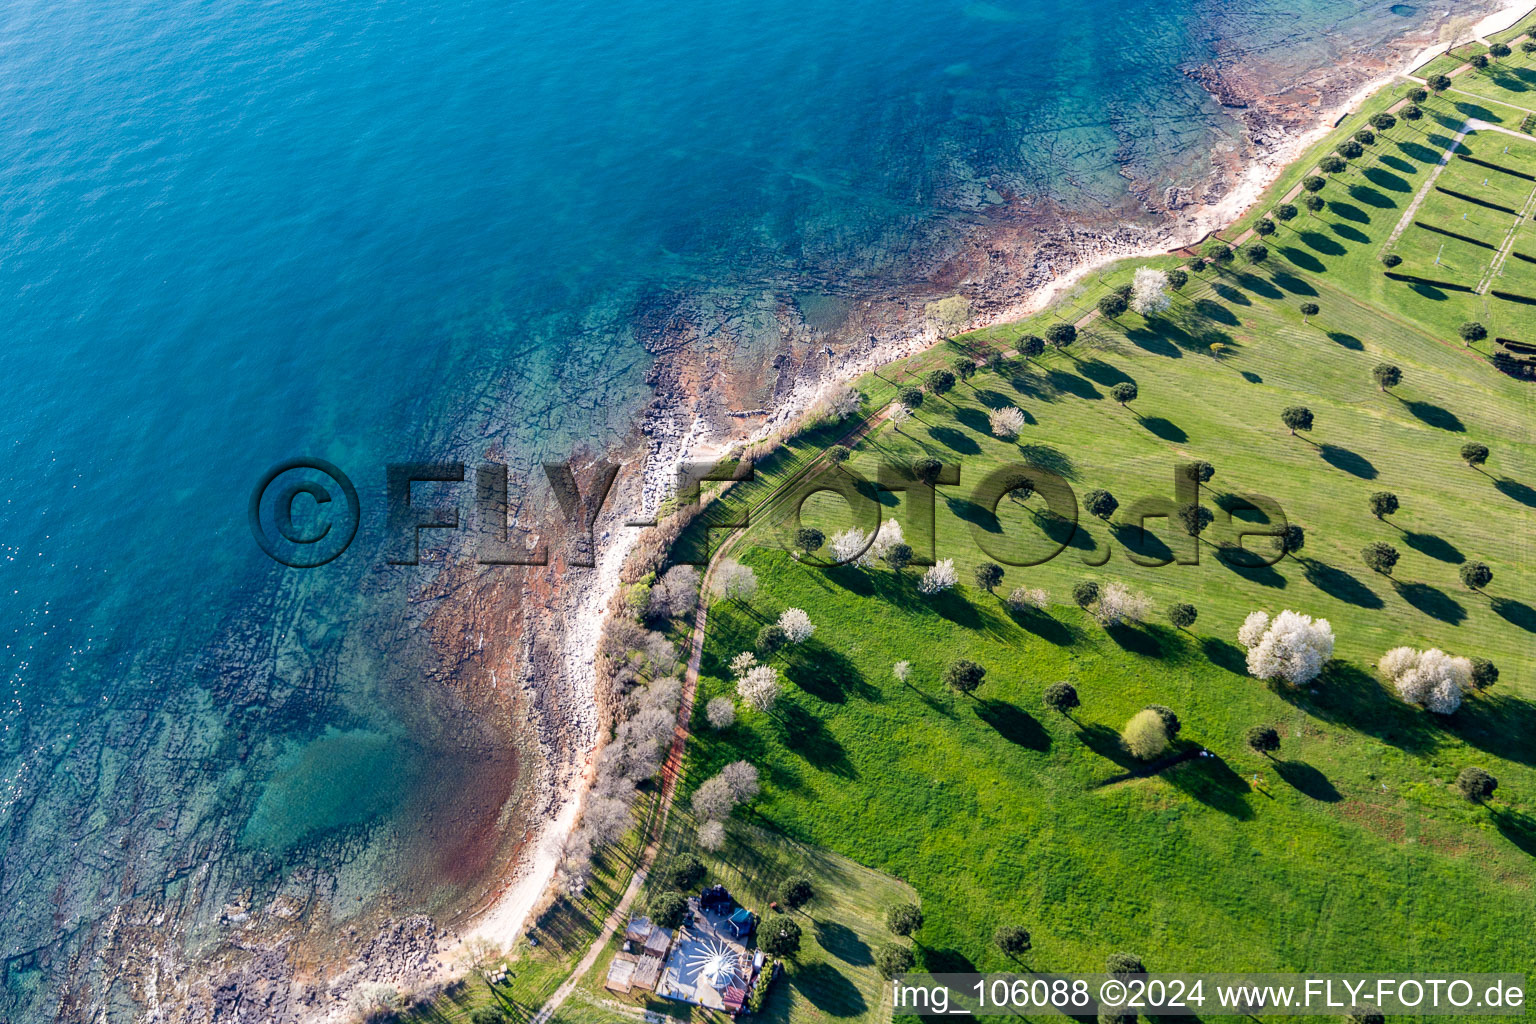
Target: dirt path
[1429, 183]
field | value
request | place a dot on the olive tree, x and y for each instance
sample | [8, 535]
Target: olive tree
[1263, 739]
[1387, 376]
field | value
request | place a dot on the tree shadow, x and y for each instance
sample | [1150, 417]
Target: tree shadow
[1045, 627]
[1397, 163]
[1518, 828]
[947, 961]
[1226, 655]
[1503, 726]
[1293, 284]
[1212, 781]
[1250, 565]
[1516, 613]
[1165, 429]
[989, 398]
[1349, 211]
[1231, 294]
[827, 989]
[1072, 384]
[1345, 695]
[1340, 584]
[974, 419]
[1259, 286]
[1251, 377]
[1523, 493]
[1353, 234]
[824, 672]
[1420, 152]
[1350, 462]
[1047, 457]
[1303, 259]
[808, 736]
[1387, 180]
[1428, 291]
[1437, 604]
[954, 440]
[1322, 243]
[1435, 547]
[1138, 540]
[1308, 781]
[843, 943]
[1103, 373]
[1436, 416]
[1216, 311]
[1135, 641]
[1013, 724]
[1346, 340]
[1105, 742]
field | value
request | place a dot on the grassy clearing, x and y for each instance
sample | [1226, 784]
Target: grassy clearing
[1351, 849]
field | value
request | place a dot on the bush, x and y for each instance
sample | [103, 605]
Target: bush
[1011, 939]
[1263, 739]
[1061, 698]
[1145, 735]
[964, 676]
[668, 908]
[1171, 721]
[1476, 784]
[1182, 615]
[892, 959]
[1122, 964]
[1391, 259]
[904, 918]
[1476, 575]
[779, 936]
[1380, 557]
[795, 892]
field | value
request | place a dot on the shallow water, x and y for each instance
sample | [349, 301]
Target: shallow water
[235, 233]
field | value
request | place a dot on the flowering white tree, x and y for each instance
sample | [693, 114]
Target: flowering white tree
[720, 712]
[742, 778]
[1293, 647]
[1118, 603]
[1253, 629]
[898, 415]
[886, 537]
[938, 578]
[844, 402]
[1149, 293]
[713, 799]
[759, 687]
[901, 670]
[712, 836]
[1006, 423]
[733, 581]
[743, 663]
[1035, 598]
[797, 625]
[1431, 679]
[849, 544]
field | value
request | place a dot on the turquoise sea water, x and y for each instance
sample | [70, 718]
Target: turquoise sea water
[235, 232]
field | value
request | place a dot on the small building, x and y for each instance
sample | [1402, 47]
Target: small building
[621, 973]
[740, 922]
[647, 973]
[658, 942]
[638, 930]
[734, 998]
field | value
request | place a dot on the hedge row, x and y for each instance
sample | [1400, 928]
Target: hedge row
[1452, 234]
[1476, 201]
[1449, 285]
[1517, 254]
[1517, 346]
[1512, 297]
[1496, 167]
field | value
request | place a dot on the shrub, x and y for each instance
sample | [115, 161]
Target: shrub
[1171, 721]
[1380, 557]
[1118, 604]
[668, 908]
[712, 836]
[903, 918]
[1061, 698]
[1476, 575]
[1006, 423]
[1061, 335]
[1476, 784]
[796, 892]
[1145, 735]
[1149, 294]
[1011, 939]
[988, 575]
[1100, 503]
[779, 936]
[1296, 417]
[893, 959]
[938, 578]
[1263, 739]
[797, 625]
[1391, 259]
[1182, 615]
[898, 556]
[948, 315]
[1021, 599]
[963, 676]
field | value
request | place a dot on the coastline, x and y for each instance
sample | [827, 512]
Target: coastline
[667, 446]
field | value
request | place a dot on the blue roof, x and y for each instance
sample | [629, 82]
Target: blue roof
[742, 915]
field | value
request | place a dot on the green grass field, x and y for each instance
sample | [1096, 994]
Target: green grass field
[1351, 849]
